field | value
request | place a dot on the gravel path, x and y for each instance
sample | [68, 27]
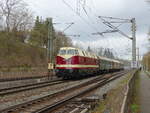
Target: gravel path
[112, 85]
[144, 93]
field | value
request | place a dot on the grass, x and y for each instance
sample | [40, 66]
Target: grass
[135, 98]
[101, 108]
[126, 80]
[135, 108]
[147, 73]
[17, 54]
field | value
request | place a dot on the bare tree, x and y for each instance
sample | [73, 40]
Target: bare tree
[15, 14]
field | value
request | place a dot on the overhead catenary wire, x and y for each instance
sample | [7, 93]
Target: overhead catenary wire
[113, 27]
[91, 26]
[60, 23]
[108, 42]
[121, 20]
[83, 18]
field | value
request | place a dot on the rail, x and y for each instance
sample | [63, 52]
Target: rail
[11, 90]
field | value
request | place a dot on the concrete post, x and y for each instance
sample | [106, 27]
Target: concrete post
[134, 63]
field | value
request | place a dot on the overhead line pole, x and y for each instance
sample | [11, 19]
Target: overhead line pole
[50, 48]
[138, 58]
[134, 63]
[115, 29]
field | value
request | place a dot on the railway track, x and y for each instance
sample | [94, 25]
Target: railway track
[51, 102]
[22, 78]
[97, 84]
[83, 103]
[11, 90]
[80, 105]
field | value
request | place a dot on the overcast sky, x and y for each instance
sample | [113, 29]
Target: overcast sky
[86, 25]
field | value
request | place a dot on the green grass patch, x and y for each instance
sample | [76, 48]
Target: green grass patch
[135, 108]
[101, 107]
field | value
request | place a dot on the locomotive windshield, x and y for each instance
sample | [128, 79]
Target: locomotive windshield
[62, 52]
[68, 52]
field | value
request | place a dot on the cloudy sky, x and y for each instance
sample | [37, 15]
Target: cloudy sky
[88, 22]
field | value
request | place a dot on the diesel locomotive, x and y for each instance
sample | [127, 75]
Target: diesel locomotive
[76, 63]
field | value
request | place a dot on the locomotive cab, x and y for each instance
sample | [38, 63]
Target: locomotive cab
[66, 59]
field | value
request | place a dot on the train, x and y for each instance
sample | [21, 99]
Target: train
[72, 62]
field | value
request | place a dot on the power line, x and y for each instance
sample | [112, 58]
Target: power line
[99, 32]
[121, 21]
[107, 23]
[79, 15]
[86, 12]
[96, 16]
[90, 19]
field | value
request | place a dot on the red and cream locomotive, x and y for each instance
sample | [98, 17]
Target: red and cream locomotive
[75, 63]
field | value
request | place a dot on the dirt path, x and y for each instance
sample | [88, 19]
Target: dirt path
[145, 93]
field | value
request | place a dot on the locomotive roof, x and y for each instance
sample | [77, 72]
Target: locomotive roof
[68, 48]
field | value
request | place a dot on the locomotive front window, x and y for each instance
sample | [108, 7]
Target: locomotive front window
[62, 52]
[72, 52]
[69, 52]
